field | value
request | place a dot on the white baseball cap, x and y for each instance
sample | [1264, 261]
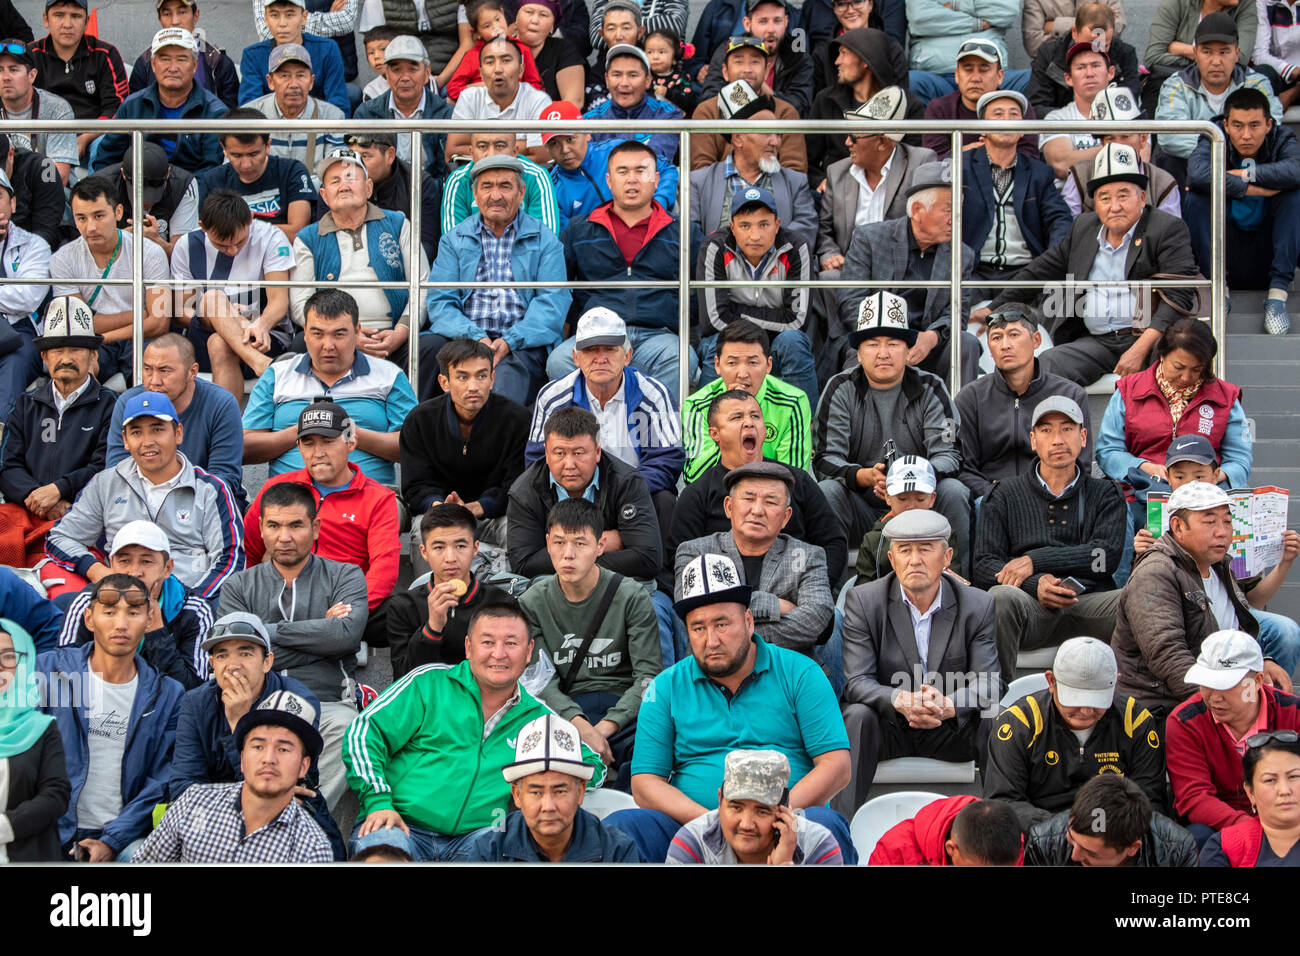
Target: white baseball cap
[600, 326]
[173, 36]
[911, 473]
[1226, 658]
[1085, 673]
[1197, 496]
[144, 533]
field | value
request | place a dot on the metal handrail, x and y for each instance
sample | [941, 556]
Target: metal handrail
[684, 129]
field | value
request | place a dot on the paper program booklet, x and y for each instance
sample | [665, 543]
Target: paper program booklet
[1258, 524]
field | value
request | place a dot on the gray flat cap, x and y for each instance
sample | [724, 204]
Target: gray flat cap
[759, 469]
[499, 161]
[918, 524]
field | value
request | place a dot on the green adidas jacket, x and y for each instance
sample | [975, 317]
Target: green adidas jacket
[419, 749]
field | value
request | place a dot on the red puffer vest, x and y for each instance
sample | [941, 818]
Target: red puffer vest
[1147, 432]
[1241, 842]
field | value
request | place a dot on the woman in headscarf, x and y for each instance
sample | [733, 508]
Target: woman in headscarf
[34, 786]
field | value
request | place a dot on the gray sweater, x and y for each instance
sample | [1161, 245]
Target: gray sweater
[321, 652]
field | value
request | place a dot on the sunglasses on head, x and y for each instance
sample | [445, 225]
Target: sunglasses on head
[235, 629]
[109, 597]
[1272, 736]
[13, 49]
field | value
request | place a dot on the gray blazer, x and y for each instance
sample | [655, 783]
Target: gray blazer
[880, 652]
[879, 251]
[792, 570]
[794, 201]
[839, 203]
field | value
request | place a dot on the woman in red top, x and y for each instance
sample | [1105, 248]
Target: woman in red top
[1271, 777]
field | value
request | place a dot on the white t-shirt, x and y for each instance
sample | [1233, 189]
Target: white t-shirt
[476, 104]
[1225, 612]
[108, 717]
[73, 261]
[267, 250]
[1068, 112]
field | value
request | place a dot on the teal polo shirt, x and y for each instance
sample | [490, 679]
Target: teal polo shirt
[688, 723]
[375, 393]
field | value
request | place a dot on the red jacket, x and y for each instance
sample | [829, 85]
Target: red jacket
[1205, 770]
[358, 525]
[1242, 842]
[919, 841]
[1147, 427]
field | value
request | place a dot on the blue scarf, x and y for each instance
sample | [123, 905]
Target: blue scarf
[21, 723]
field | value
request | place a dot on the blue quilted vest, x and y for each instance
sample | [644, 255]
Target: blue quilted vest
[383, 240]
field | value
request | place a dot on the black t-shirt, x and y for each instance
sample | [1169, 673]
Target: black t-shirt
[557, 53]
[282, 182]
[753, 568]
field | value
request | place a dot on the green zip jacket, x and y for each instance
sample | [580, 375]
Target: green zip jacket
[419, 749]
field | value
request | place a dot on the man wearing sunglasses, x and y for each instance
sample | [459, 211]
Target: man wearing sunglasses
[1207, 735]
[791, 60]
[244, 676]
[117, 718]
[21, 100]
[940, 28]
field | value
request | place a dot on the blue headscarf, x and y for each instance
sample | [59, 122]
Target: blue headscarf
[21, 722]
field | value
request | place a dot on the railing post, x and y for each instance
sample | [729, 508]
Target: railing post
[416, 304]
[956, 314]
[1218, 302]
[684, 268]
[137, 258]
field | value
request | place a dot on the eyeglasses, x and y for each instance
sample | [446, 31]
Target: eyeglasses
[109, 597]
[743, 41]
[235, 629]
[11, 659]
[1272, 736]
[365, 142]
[845, 4]
[999, 319]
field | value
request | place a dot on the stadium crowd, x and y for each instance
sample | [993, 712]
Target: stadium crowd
[626, 587]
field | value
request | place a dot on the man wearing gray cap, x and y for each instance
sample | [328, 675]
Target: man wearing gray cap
[753, 822]
[244, 677]
[1011, 209]
[791, 598]
[1047, 744]
[290, 76]
[1050, 541]
[1184, 591]
[1108, 329]
[917, 247]
[500, 244]
[920, 661]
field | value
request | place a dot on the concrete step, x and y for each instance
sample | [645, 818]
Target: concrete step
[1263, 399]
[1250, 347]
[1274, 453]
[1252, 374]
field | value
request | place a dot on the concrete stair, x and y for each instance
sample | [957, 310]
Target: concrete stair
[1267, 368]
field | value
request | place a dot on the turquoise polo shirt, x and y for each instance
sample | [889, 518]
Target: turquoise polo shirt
[375, 393]
[688, 723]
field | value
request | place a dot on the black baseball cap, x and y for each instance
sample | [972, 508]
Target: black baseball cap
[153, 163]
[1195, 448]
[1218, 27]
[323, 417]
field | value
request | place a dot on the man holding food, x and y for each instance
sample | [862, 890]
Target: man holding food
[427, 624]
[357, 515]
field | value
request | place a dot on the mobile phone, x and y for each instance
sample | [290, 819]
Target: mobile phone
[1074, 584]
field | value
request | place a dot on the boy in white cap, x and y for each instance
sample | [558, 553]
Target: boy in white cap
[1047, 744]
[548, 780]
[178, 617]
[753, 822]
[910, 483]
[1205, 737]
[1182, 589]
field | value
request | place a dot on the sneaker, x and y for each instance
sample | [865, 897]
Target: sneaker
[1276, 319]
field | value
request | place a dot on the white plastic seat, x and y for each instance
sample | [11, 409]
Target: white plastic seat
[924, 770]
[1023, 687]
[1040, 658]
[605, 801]
[875, 817]
[1104, 385]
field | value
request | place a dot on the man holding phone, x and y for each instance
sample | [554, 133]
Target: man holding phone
[754, 822]
[1050, 541]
